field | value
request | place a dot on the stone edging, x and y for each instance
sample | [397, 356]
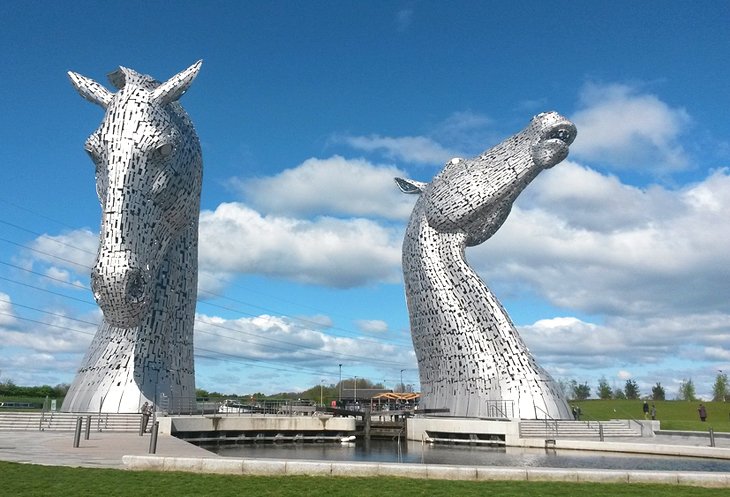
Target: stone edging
[277, 467]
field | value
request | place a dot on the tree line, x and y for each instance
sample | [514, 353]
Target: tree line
[582, 391]
[10, 389]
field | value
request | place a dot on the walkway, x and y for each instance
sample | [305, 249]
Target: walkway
[130, 451]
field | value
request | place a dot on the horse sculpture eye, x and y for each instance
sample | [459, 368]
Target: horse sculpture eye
[164, 150]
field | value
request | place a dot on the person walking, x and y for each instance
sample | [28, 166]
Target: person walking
[646, 410]
[146, 413]
[702, 412]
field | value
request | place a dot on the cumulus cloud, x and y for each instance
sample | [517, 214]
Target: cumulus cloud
[621, 127]
[6, 310]
[415, 149]
[333, 186]
[372, 325]
[462, 134]
[326, 251]
[617, 250]
[278, 339]
[75, 250]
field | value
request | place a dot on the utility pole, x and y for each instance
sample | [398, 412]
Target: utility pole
[339, 398]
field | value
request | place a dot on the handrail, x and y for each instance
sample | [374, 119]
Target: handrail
[629, 419]
[547, 418]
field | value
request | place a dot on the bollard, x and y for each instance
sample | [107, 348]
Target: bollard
[712, 437]
[77, 433]
[153, 438]
[141, 425]
[600, 431]
[88, 427]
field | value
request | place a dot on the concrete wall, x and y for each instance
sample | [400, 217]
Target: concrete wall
[170, 425]
[416, 428]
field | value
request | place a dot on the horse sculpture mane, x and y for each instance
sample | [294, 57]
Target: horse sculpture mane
[471, 359]
[148, 179]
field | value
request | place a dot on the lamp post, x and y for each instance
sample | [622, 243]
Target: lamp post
[339, 398]
[355, 389]
[402, 388]
[321, 386]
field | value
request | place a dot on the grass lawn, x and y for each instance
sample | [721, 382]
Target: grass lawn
[673, 414]
[32, 480]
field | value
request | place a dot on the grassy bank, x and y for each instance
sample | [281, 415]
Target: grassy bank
[673, 414]
[31, 480]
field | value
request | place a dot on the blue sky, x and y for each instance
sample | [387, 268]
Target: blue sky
[615, 263]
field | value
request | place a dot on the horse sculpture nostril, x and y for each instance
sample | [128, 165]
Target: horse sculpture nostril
[136, 288]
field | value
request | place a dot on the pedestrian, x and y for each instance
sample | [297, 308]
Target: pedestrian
[653, 411]
[646, 410]
[703, 412]
[146, 413]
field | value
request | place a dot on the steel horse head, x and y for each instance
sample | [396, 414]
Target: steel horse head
[148, 178]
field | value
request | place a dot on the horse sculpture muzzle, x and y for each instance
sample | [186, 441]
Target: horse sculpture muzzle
[123, 293]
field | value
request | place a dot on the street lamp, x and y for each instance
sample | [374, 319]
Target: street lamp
[321, 386]
[402, 388]
[355, 389]
[339, 398]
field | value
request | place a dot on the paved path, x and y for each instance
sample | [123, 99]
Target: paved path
[103, 449]
[130, 451]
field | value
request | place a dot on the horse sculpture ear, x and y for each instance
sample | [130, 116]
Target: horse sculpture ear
[173, 88]
[90, 89]
[410, 186]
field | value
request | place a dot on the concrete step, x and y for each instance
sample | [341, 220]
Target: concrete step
[66, 421]
[577, 429]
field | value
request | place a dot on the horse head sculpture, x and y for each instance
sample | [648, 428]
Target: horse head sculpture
[471, 359]
[148, 179]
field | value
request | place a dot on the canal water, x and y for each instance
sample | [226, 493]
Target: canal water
[416, 452]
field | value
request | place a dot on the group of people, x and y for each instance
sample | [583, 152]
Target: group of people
[649, 411]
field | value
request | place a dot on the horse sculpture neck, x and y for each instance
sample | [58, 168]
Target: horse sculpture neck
[471, 359]
[149, 173]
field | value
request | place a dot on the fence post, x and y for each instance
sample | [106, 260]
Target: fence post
[77, 433]
[153, 438]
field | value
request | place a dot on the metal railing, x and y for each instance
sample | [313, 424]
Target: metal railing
[550, 422]
[500, 409]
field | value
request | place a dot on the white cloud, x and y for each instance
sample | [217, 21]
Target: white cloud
[74, 251]
[6, 310]
[618, 250]
[620, 127]
[325, 251]
[414, 149]
[623, 375]
[372, 325]
[276, 339]
[333, 186]
[404, 19]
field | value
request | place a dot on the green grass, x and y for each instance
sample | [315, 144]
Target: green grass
[673, 414]
[32, 480]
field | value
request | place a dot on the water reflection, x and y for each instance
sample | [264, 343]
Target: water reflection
[415, 452]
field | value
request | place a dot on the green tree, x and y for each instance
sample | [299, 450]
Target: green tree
[657, 392]
[687, 390]
[580, 391]
[631, 390]
[720, 389]
[604, 390]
